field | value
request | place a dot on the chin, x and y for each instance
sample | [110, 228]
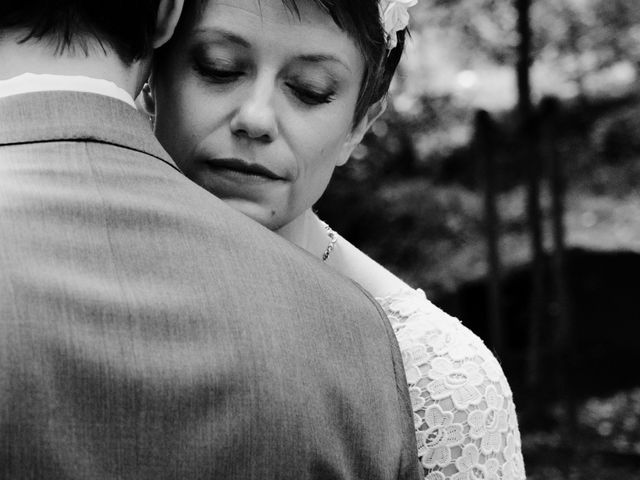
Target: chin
[259, 213]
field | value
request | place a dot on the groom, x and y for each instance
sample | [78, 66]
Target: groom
[146, 330]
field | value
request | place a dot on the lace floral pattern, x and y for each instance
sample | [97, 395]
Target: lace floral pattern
[465, 419]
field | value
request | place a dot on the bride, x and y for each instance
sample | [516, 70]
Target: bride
[258, 102]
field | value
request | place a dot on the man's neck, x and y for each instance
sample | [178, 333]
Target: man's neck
[40, 58]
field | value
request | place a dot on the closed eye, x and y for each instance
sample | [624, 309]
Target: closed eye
[217, 75]
[311, 96]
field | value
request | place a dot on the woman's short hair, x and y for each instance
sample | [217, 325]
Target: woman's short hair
[360, 19]
[126, 26]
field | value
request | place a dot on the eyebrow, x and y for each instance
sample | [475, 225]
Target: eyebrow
[318, 58]
[226, 35]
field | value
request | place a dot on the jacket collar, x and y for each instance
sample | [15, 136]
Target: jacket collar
[45, 82]
[76, 116]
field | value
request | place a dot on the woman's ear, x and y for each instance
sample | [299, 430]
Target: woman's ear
[362, 127]
[147, 100]
[169, 12]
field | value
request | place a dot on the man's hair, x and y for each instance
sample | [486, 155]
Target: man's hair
[126, 26]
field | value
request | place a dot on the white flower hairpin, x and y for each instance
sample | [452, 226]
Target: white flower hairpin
[395, 17]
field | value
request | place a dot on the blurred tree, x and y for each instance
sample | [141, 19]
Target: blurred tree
[484, 143]
[578, 37]
[529, 154]
[482, 26]
[586, 36]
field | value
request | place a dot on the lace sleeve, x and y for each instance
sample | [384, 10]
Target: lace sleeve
[465, 419]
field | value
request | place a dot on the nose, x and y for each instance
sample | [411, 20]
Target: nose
[255, 117]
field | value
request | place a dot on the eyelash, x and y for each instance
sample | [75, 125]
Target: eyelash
[310, 96]
[306, 95]
[216, 75]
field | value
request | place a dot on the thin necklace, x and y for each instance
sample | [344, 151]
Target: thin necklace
[333, 238]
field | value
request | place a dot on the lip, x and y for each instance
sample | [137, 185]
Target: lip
[243, 167]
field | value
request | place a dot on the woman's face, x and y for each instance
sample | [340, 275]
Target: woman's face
[256, 104]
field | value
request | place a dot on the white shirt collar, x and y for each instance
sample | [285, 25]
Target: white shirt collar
[30, 83]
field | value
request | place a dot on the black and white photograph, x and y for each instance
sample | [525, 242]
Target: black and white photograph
[319, 239]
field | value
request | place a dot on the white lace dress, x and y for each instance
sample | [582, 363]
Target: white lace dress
[465, 419]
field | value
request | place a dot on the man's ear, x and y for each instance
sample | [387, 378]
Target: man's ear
[169, 12]
[359, 130]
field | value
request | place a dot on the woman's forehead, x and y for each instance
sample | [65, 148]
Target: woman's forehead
[270, 29]
[266, 18]
[300, 10]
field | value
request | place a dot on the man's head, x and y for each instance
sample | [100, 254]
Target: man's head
[127, 30]
[73, 25]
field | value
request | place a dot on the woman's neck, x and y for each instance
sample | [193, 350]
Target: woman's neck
[307, 232]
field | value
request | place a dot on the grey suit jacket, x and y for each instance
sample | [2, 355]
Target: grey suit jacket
[147, 331]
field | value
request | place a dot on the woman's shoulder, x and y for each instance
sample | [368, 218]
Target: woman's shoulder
[418, 323]
[421, 326]
[457, 386]
[397, 298]
[406, 304]
[358, 266]
[464, 414]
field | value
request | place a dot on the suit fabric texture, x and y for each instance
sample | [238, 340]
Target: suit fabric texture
[148, 331]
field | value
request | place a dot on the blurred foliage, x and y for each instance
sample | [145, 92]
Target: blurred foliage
[412, 195]
[605, 444]
[615, 137]
[584, 34]
[423, 217]
[614, 419]
[467, 49]
[414, 186]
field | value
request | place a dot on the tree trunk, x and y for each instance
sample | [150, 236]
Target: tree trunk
[523, 68]
[534, 211]
[563, 356]
[485, 151]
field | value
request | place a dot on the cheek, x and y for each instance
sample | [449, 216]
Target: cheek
[189, 105]
[330, 151]
[317, 163]
[321, 142]
[182, 118]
